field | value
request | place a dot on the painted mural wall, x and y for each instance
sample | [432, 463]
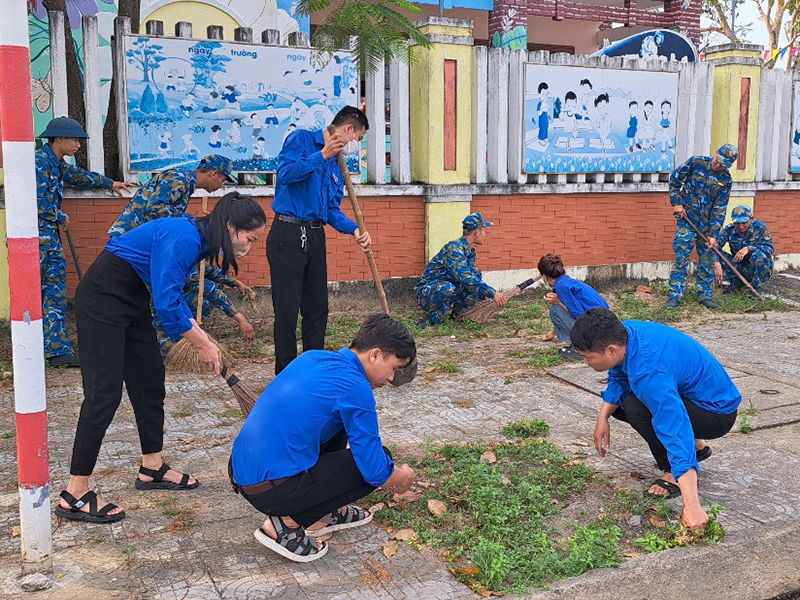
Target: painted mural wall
[589, 120]
[794, 159]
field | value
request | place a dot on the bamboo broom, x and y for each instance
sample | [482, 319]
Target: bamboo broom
[183, 358]
[483, 311]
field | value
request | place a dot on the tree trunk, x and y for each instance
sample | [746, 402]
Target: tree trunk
[132, 10]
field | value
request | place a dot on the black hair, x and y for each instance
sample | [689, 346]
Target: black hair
[214, 94]
[650, 102]
[633, 103]
[600, 99]
[237, 121]
[543, 86]
[243, 213]
[352, 115]
[587, 82]
[667, 102]
[596, 329]
[261, 139]
[51, 140]
[570, 96]
[390, 336]
[216, 128]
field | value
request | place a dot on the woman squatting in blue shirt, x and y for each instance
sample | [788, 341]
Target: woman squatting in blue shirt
[118, 343]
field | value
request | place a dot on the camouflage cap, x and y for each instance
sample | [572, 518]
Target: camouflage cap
[727, 155]
[217, 162]
[473, 221]
[741, 214]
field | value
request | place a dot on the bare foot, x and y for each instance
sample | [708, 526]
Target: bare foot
[550, 335]
[657, 490]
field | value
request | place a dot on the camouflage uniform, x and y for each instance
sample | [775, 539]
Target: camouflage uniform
[165, 195]
[704, 193]
[213, 297]
[451, 279]
[51, 175]
[758, 262]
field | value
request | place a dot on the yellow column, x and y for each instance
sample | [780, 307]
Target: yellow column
[443, 216]
[737, 86]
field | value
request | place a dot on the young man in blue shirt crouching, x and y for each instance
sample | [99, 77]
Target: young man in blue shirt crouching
[291, 460]
[669, 388]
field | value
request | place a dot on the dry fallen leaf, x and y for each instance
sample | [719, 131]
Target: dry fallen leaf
[15, 531]
[505, 481]
[632, 555]
[546, 461]
[657, 521]
[573, 462]
[437, 507]
[425, 484]
[376, 507]
[486, 593]
[488, 457]
[468, 571]
[643, 289]
[580, 443]
[390, 549]
[409, 496]
[404, 535]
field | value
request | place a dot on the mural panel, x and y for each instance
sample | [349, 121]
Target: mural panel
[794, 159]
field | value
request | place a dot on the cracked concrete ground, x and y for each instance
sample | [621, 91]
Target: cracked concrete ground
[206, 550]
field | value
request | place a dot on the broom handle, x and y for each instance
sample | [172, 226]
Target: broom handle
[351, 191]
[202, 280]
[722, 257]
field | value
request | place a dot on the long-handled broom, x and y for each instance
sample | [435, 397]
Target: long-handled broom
[483, 311]
[183, 358]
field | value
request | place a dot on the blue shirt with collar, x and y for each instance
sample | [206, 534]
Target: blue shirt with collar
[163, 253]
[318, 395]
[663, 365]
[577, 296]
[308, 187]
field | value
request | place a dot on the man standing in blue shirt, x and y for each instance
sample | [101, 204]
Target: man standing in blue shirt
[669, 388]
[751, 250]
[308, 194]
[291, 460]
[568, 300]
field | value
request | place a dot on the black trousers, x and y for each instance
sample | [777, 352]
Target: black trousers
[705, 424]
[299, 284]
[118, 344]
[333, 482]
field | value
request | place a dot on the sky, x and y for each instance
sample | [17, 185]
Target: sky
[748, 13]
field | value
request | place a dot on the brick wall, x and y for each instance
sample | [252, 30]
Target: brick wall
[779, 211]
[584, 229]
[397, 226]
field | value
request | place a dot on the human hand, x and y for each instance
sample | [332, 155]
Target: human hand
[364, 239]
[718, 276]
[119, 186]
[403, 477]
[500, 299]
[210, 354]
[678, 211]
[741, 254]
[333, 145]
[694, 518]
[65, 223]
[551, 298]
[248, 332]
[712, 243]
[602, 436]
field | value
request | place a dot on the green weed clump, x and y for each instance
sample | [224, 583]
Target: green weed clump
[525, 428]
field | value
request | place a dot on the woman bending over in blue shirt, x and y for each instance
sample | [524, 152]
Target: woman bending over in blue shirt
[119, 345]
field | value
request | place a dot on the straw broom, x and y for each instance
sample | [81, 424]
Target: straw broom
[183, 358]
[243, 394]
[483, 311]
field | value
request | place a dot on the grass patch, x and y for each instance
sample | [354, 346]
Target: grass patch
[128, 552]
[443, 366]
[180, 414]
[525, 428]
[672, 535]
[745, 425]
[750, 411]
[543, 359]
[231, 413]
[9, 434]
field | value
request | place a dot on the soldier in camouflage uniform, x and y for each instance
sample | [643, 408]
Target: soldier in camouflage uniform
[751, 250]
[699, 190]
[214, 297]
[167, 193]
[64, 137]
[451, 279]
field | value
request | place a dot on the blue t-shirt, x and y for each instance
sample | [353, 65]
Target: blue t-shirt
[661, 366]
[318, 395]
[577, 296]
[163, 252]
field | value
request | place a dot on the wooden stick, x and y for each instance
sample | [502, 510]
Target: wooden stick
[722, 256]
[74, 254]
[351, 191]
[199, 318]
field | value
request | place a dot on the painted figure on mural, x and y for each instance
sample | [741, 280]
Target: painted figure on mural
[796, 137]
[585, 100]
[666, 132]
[230, 95]
[633, 124]
[647, 132]
[189, 148]
[165, 144]
[188, 105]
[271, 116]
[699, 190]
[568, 122]
[234, 133]
[543, 115]
[258, 149]
[63, 137]
[603, 124]
[213, 101]
[451, 281]
[213, 139]
[750, 249]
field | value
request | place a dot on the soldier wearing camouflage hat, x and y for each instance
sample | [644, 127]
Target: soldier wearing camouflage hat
[699, 190]
[751, 250]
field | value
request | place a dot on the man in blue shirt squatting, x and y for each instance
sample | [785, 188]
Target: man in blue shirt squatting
[451, 279]
[308, 193]
[64, 137]
[669, 388]
[300, 471]
[568, 300]
[699, 190]
[751, 251]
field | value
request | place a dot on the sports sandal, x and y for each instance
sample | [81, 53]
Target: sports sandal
[74, 512]
[291, 543]
[353, 517]
[159, 483]
[704, 453]
[672, 489]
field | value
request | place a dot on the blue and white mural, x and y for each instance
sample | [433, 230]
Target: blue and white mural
[189, 98]
[590, 120]
[654, 43]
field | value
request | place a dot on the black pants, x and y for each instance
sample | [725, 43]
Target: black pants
[118, 344]
[705, 424]
[333, 482]
[299, 284]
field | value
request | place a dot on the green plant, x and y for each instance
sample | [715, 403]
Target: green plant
[128, 551]
[543, 359]
[745, 426]
[525, 428]
[445, 366]
[751, 409]
[494, 564]
[179, 414]
[231, 413]
[652, 542]
[8, 435]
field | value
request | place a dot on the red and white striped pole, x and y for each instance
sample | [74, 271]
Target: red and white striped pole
[16, 124]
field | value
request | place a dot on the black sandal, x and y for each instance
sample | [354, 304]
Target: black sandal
[159, 483]
[291, 543]
[74, 512]
[672, 489]
[704, 453]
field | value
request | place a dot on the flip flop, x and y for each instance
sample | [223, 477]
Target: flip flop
[353, 517]
[704, 453]
[672, 489]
